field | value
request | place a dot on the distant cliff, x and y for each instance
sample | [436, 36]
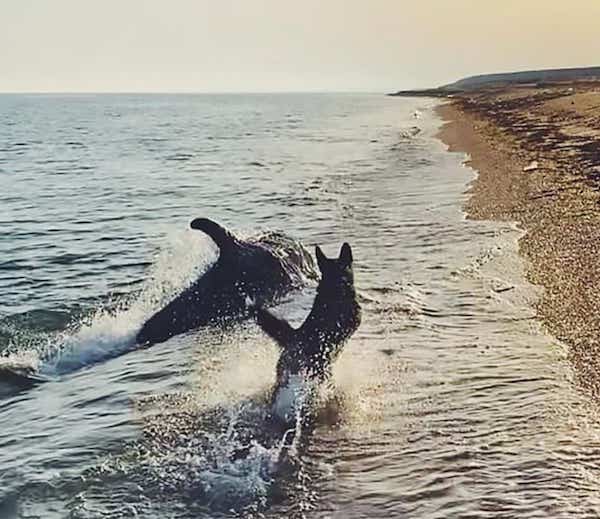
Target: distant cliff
[504, 79]
[529, 76]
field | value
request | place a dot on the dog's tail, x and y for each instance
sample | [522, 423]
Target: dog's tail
[275, 327]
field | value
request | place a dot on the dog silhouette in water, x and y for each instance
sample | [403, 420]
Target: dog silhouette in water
[307, 353]
[263, 268]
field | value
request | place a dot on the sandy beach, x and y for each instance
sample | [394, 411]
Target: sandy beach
[537, 152]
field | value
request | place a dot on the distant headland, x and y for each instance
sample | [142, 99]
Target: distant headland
[483, 81]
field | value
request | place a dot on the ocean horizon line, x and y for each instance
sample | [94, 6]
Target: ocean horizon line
[186, 92]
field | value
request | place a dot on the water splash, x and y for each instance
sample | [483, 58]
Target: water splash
[111, 329]
[293, 398]
[217, 460]
[214, 446]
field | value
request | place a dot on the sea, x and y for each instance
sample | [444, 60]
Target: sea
[450, 401]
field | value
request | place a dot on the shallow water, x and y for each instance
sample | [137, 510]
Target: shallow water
[448, 402]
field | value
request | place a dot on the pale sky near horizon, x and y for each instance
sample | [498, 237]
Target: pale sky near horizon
[283, 45]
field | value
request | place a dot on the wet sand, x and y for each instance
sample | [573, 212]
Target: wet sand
[537, 152]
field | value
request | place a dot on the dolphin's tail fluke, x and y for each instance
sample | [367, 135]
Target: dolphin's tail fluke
[221, 236]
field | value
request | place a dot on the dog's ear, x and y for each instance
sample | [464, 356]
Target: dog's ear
[346, 254]
[321, 258]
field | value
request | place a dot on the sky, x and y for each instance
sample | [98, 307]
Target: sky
[283, 45]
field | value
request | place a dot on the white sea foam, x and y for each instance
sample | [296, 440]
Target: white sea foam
[111, 332]
[292, 397]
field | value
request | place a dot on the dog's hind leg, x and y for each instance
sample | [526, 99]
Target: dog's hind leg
[278, 329]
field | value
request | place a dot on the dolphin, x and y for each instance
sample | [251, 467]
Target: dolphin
[261, 269]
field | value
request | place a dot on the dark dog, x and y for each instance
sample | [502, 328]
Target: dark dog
[308, 352]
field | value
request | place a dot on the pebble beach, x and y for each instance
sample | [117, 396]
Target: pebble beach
[537, 154]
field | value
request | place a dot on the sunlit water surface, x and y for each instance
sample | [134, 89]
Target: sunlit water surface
[448, 402]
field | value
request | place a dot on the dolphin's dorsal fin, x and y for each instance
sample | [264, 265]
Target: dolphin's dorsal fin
[221, 236]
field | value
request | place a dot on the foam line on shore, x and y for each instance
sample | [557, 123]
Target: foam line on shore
[556, 202]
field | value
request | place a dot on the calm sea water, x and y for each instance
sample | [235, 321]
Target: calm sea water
[448, 402]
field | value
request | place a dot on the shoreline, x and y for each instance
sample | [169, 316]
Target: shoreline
[536, 153]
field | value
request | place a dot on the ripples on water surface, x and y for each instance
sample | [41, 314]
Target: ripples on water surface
[448, 402]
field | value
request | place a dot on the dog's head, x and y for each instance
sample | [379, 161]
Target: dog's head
[336, 272]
